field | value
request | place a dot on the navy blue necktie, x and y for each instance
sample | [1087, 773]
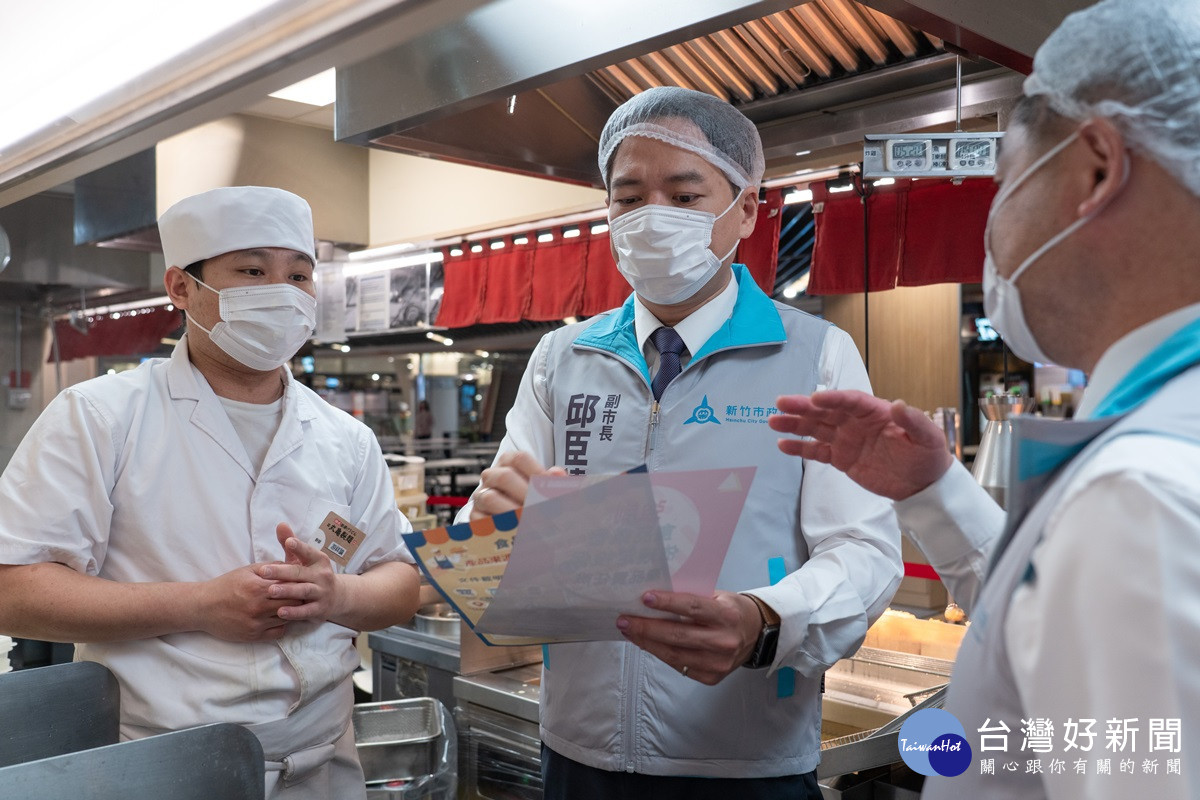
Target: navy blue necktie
[669, 347]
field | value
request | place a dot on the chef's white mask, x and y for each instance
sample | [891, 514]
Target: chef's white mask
[1001, 297]
[261, 326]
[663, 250]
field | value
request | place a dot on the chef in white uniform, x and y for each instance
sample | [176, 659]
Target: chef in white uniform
[177, 521]
[1085, 596]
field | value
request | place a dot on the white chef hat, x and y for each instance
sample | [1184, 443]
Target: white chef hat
[233, 218]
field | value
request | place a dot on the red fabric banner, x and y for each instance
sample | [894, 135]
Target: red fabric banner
[943, 232]
[465, 285]
[133, 333]
[557, 276]
[921, 232]
[508, 288]
[604, 286]
[837, 262]
[760, 251]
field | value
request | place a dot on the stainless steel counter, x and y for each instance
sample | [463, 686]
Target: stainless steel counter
[407, 663]
[515, 691]
[424, 648]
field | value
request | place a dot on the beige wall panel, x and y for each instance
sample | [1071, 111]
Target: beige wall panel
[914, 341]
[417, 199]
[253, 151]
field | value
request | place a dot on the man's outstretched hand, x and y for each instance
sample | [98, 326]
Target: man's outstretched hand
[886, 447]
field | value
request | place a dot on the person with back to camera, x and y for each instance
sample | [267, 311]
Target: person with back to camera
[1085, 597]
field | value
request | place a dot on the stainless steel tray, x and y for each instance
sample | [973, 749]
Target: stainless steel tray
[397, 739]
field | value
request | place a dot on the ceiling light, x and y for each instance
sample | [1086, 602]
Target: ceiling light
[372, 253]
[844, 182]
[374, 376]
[793, 196]
[482, 353]
[319, 90]
[796, 287]
[384, 264]
[803, 152]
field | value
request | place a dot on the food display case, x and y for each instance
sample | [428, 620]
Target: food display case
[903, 665]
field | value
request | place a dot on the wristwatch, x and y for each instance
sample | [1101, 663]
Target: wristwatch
[768, 638]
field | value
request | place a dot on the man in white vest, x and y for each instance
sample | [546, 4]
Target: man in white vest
[204, 526]
[1079, 677]
[726, 703]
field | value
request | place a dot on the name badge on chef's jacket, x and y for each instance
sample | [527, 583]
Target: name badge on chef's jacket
[341, 538]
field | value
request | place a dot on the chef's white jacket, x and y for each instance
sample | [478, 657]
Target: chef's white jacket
[140, 477]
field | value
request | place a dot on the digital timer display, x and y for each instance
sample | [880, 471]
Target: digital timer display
[909, 149]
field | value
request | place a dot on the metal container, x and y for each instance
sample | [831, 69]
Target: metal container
[438, 619]
[992, 461]
[398, 739]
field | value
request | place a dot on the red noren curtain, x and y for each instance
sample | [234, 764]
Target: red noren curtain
[943, 232]
[760, 251]
[604, 286]
[131, 334]
[557, 276]
[464, 288]
[508, 290]
[921, 232]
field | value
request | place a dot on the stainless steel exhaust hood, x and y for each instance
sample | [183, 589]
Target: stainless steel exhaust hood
[49, 268]
[526, 85]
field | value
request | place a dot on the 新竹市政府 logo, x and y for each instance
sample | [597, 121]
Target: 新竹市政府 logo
[933, 742]
[703, 413]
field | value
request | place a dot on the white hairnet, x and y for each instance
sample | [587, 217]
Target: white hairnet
[730, 142]
[1137, 64]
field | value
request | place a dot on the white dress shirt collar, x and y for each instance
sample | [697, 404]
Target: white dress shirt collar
[696, 328]
[1127, 351]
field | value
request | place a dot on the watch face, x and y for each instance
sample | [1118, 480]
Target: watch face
[764, 648]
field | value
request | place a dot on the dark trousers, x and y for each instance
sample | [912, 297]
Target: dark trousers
[569, 780]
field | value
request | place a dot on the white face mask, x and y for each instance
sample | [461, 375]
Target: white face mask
[1001, 297]
[262, 326]
[663, 250]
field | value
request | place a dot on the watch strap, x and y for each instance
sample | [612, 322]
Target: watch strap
[763, 654]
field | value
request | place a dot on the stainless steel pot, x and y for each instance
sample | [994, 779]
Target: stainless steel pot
[438, 619]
